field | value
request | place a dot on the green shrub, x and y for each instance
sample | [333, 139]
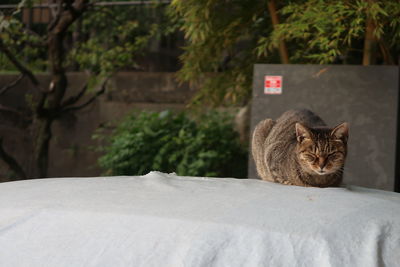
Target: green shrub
[168, 142]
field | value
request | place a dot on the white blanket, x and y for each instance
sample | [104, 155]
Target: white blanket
[166, 220]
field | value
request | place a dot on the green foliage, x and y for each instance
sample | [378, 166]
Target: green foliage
[23, 43]
[104, 40]
[221, 36]
[226, 38]
[168, 142]
[115, 36]
[325, 30]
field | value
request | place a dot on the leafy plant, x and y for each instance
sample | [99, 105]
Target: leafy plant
[168, 142]
[326, 30]
[220, 39]
[224, 39]
[112, 37]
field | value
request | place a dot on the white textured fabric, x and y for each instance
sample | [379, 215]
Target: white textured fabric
[166, 220]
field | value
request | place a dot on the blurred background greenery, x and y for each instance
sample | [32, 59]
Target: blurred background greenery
[211, 44]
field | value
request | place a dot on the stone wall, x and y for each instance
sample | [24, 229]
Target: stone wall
[72, 151]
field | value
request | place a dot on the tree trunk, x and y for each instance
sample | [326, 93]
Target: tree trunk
[283, 52]
[41, 134]
[369, 52]
[49, 104]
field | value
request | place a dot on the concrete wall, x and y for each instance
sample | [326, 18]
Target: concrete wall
[72, 148]
[366, 97]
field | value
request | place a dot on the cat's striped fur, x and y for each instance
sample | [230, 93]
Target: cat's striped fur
[299, 149]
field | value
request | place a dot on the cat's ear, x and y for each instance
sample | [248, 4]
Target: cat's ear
[341, 132]
[302, 132]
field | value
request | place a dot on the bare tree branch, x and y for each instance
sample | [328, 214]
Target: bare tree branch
[67, 16]
[11, 110]
[19, 65]
[11, 162]
[56, 13]
[71, 11]
[52, 7]
[74, 99]
[7, 87]
[90, 100]
[385, 51]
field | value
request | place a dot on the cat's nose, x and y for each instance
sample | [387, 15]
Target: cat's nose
[321, 163]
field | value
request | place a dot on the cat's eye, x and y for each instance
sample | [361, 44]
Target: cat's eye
[334, 156]
[309, 157]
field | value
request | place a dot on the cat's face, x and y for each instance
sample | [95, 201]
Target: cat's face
[322, 151]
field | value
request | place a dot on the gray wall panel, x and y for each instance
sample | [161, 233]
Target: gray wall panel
[366, 97]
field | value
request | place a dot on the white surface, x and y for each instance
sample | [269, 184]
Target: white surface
[166, 220]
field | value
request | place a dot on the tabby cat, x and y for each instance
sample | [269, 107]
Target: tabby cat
[299, 149]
